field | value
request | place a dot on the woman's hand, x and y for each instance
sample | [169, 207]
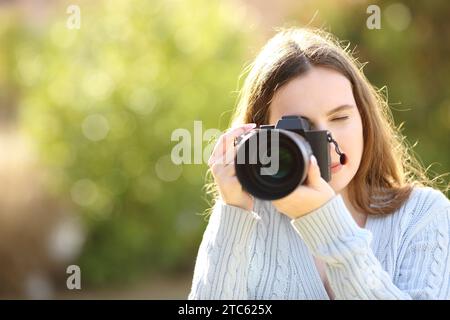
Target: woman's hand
[222, 167]
[308, 197]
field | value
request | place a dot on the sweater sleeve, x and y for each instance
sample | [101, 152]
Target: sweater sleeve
[222, 263]
[352, 268]
[424, 270]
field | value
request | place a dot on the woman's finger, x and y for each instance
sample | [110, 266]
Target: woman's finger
[229, 170]
[226, 141]
[227, 158]
[313, 172]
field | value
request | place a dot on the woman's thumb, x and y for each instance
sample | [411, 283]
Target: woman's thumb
[313, 172]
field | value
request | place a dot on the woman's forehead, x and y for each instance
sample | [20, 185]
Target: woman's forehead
[313, 94]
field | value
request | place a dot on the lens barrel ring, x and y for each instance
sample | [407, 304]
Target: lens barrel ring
[268, 187]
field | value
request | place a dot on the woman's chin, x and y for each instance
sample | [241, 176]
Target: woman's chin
[338, 184]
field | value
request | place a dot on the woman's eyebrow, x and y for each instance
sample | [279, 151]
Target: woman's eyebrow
[340, 108]
[333, 111]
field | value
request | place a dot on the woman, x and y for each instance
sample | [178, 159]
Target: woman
[376, 230]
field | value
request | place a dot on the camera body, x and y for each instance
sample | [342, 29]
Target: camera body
[293, 142]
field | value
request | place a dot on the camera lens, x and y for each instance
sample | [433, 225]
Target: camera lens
[290, 164]
[286, 164]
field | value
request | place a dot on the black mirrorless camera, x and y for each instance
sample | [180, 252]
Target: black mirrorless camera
[271, 161]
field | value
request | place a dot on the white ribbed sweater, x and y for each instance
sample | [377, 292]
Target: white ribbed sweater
[265, 255]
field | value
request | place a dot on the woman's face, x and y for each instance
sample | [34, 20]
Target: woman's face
[325, 97]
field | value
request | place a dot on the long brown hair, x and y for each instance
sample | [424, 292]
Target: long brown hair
[388, 172]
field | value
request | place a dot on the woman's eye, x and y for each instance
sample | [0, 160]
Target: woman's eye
[340, 118]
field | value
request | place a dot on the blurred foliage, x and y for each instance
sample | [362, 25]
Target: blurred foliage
[407, 58]
[101, 102]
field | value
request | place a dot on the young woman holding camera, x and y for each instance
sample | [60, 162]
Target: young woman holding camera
[378, 229]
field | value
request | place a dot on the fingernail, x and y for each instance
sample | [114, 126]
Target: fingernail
[250, 125]
[313, 160]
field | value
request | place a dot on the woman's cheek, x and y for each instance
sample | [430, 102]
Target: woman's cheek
[346, 139]
[353, 140]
